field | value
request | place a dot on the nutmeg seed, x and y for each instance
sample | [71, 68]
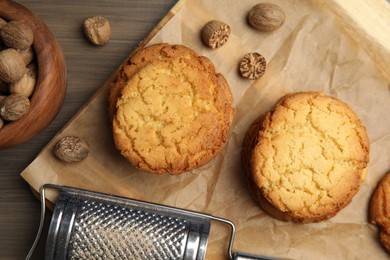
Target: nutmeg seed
[252, 65]
[14, 107]
[12, 67]
[71, 149]
[215, 33]
[97, 30]
[266, 17]
[17, 35]
[25, 86]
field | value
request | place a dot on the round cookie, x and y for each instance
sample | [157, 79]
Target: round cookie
[307, 158]
[138, 60]
[380, 210]
[173, 115]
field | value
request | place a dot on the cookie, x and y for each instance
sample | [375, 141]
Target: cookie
[380, 210]
[173, 114]
[138, 60]
[306, 158]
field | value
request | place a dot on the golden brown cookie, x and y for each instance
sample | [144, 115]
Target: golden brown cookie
[380, 210]
[173, 114]
[138, 60]
[307, 158]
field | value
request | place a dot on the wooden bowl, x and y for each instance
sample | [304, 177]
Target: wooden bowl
[50, 89]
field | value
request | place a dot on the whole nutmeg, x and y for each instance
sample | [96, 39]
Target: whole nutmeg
[215, 33]
[17, 35]
[97, 30]
[14, 107]
[12, 66]
[266, 17]
[25, 86]
[71, 149]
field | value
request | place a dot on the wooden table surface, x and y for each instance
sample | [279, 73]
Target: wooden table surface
[88, 67]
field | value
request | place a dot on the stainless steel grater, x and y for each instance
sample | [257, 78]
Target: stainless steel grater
[90, 225]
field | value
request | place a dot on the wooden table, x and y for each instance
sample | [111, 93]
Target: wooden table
[88, 67]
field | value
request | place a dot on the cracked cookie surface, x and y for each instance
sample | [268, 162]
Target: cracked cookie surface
[307, 158]
[138, 60]
[173, 114]
[380, 210]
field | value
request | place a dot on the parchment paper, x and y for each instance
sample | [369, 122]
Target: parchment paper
[314, 50]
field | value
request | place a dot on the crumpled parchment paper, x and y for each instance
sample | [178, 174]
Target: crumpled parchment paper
[319, 48]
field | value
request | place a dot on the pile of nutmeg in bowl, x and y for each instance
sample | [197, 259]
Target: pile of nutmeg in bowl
[18, 71]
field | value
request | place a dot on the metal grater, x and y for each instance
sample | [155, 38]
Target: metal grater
[90, 225]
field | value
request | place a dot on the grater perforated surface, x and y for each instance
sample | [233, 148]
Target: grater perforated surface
[108, 231]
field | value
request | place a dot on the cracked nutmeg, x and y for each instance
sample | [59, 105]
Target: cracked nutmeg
[97, 30]
[215, 33]
[252, 66]
[71, 149]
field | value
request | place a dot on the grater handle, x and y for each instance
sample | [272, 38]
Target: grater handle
[239, 255]
[42, 221]
[244, 256]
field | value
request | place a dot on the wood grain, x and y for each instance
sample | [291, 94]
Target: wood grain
[87, 68]
[51, 83]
